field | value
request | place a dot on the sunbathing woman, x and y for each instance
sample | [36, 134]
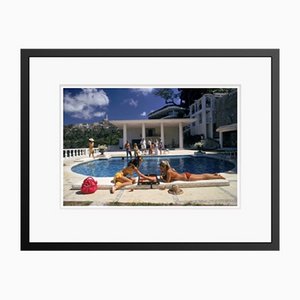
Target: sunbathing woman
[124, 177]
[169, 174]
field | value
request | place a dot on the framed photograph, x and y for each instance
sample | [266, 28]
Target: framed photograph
[150, 149]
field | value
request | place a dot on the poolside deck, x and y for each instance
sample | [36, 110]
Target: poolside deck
[203, 193]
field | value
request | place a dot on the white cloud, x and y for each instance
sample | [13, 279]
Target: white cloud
[84, 104]
[131, 102]
[99, 114]
[84, 114]
[145, 91]
[143, 114]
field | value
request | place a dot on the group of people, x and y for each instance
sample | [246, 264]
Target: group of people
[153, 148]
[150, 147]
[167, 174]
[125, 176]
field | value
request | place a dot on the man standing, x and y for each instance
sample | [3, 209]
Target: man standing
[149, 144]
[160, 147]
[128, 150]
[143, 145]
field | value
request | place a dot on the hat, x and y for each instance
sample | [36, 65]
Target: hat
[91, 140]
[175, 190]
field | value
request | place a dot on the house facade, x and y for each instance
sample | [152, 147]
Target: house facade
[215, 116]
[212, 116]
[169, 131]
[203, 114]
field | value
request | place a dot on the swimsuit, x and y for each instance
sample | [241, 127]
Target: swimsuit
[91, 147]
[176, 176]
[121, 174]
[188, 175]
[117, 176]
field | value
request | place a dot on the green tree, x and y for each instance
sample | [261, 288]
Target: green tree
[188, 96]
[76, 136]
[167, 94]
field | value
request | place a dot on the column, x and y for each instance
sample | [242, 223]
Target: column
[212, 130]
[162, 134]
[180, 136]
[204, 118]
[124, 134]
[143, 131]
[221, 139]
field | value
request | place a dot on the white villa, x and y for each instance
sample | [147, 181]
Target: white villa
[163, 124]
[203, 114]
[169, 131]
[203, 111]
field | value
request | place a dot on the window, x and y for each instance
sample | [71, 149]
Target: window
[208, 103]
[150, 132]
[208, 117]
[193, 109]
[200, 118]
[200, 104]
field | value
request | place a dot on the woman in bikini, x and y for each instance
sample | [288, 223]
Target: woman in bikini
[125, 176]
[91, 148]
[169, 174]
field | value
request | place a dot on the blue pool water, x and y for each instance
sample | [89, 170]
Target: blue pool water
[150, 165]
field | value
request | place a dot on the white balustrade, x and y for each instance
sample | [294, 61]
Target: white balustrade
[77, 152]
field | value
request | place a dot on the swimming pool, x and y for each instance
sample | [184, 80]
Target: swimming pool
[150, 165]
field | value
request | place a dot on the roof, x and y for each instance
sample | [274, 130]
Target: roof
[138, 123]
[230, 127]
[166, 109]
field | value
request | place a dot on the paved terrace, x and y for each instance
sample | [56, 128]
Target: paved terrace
[202, 193]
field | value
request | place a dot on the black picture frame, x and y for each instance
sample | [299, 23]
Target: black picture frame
[26, 244]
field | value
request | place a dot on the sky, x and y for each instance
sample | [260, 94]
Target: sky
[88, 105]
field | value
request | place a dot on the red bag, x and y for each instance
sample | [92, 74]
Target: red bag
[89, 186]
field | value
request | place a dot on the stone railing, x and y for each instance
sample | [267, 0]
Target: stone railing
[77, 152]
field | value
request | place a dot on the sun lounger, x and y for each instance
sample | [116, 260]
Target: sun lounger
[162, 185]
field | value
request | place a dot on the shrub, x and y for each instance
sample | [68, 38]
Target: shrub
[207, 144]
[102, 148]
[198, 146]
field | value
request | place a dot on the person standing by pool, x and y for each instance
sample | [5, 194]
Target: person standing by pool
[136, 150]
[91, 148]
[168, 174]
[149, 145]
[151, 149]
[160, 147]
[125, 176]
[156, 147]
[143, 145]
[128, 149]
